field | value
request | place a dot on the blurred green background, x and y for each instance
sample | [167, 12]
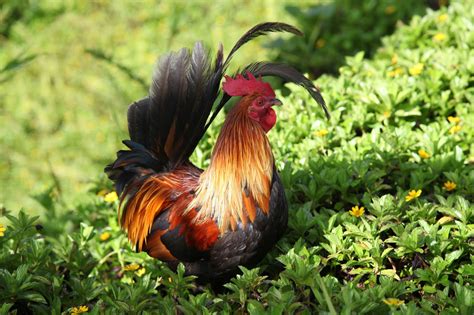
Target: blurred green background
[69, 69]
[63, 113]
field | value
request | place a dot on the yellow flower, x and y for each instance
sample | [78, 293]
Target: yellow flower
[321, 133]
[79, 309]
[394, 59]
[395, 72]
[439, 37]
[104, 236]
[416, 69]
[320, 43]
[413, 194]
[127, 280]
[357, 211]
[102, 193]
[2, 230]
[455, 129]
[454, 119]
[387, 114]
[131, 267]
[140, 272]
[445, 219]
[390, 9]
[111, 197]
[423, 154]
[442, 18]
[393, 302]
[449, 185]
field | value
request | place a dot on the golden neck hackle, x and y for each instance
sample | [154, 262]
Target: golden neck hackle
[240, 172]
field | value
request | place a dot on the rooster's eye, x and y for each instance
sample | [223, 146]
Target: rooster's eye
[260, 102]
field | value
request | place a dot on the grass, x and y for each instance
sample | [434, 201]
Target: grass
[381, 203]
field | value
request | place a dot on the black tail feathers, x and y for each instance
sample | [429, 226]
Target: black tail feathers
[138, 118]
[184, 88]
[131, 165]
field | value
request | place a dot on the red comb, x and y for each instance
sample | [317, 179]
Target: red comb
[241, 86]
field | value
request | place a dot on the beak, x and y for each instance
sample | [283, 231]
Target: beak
[275, 102]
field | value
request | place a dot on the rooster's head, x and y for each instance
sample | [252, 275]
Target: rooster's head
[259, 98]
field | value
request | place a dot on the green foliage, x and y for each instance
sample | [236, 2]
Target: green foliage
[13, 11]
[339, 28]
[389, 137]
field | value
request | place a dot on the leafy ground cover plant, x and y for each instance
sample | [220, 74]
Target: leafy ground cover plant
[336, 29]
[381, 217]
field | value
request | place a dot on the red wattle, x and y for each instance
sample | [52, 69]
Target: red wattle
[268, 120]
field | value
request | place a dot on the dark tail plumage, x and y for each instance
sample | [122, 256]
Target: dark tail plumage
[166, 126]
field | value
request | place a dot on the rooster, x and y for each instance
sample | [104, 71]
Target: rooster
[233, 212]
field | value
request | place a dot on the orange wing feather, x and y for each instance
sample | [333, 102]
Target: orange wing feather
[249, 206]
[151, 199]
[157, 249]
[167, 191]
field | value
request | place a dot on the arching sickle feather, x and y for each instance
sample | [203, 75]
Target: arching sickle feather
[288, 74]
[262, 29]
